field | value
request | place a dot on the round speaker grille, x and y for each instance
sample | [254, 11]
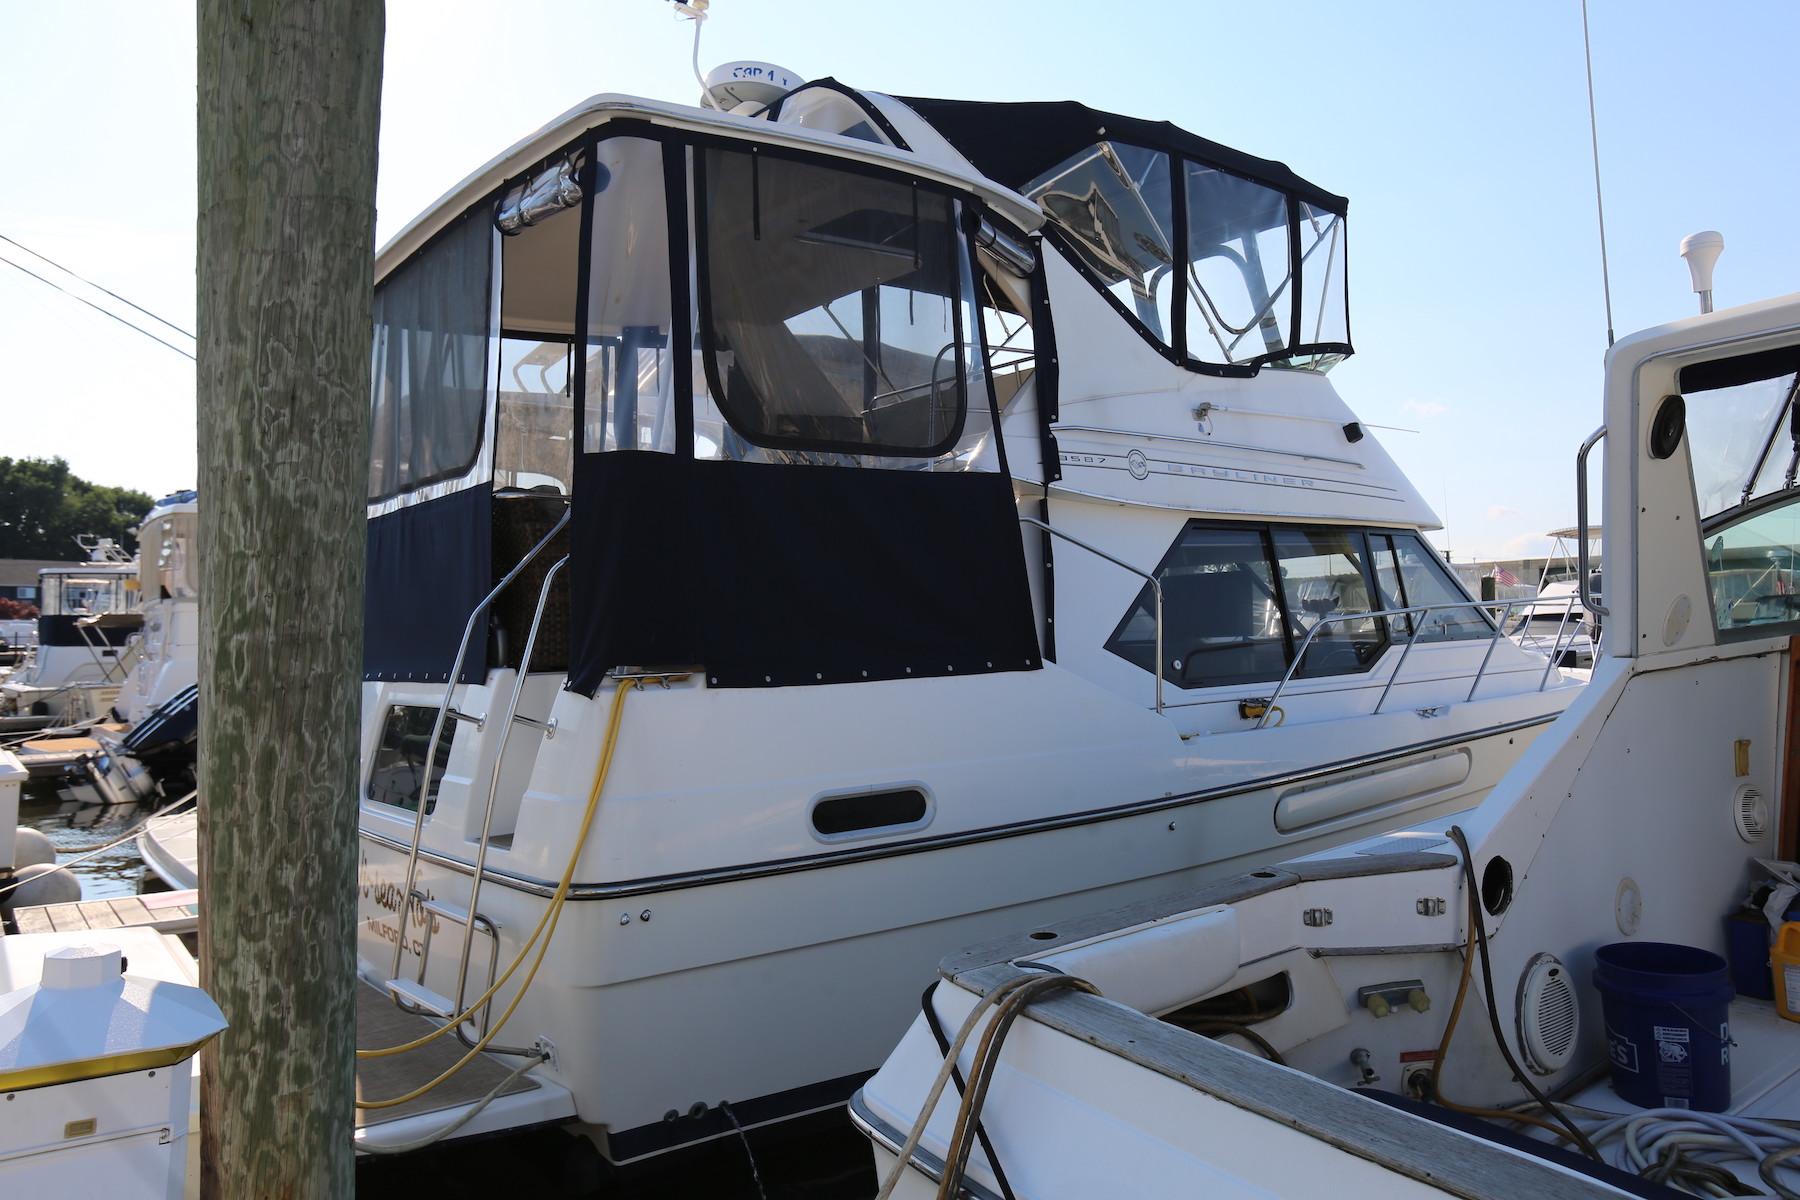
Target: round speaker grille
[1549, 1015]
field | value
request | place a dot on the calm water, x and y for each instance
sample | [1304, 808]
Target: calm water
[67, 814]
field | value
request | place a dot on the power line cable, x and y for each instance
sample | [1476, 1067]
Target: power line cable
[83, 299]
[95, 286]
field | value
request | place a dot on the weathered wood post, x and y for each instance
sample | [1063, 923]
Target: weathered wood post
[289, 104]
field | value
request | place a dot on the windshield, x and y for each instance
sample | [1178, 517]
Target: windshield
[1264, 280]
[1741, 441]
[1744, 446]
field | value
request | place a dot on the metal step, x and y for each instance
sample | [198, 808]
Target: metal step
[455, 914]
[416, 994]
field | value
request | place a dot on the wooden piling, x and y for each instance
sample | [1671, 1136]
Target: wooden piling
[289, 104]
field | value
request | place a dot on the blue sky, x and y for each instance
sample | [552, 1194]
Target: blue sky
[1459, 134]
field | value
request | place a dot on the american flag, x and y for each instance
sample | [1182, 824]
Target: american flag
[1503, 576]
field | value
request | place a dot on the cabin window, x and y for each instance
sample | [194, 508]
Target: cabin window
[1238, 601]
[398, 772]
[1425, 579]
[428, 361]
[1323, 577]
[1112, 200]
[833, 311]
[1238, 303]
[630, 397]
[1222, 619]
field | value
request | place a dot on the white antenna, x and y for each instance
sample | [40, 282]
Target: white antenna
[1594, 136]
[1702, 251]
[695, 11]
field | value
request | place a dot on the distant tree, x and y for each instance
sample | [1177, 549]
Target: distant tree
[17, 610]
[44, 505]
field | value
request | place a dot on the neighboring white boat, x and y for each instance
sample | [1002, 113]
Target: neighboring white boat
[86, 616]
[151, 748]
[170, 848]
[970, 565]
[1556, 625]
[1643, 816]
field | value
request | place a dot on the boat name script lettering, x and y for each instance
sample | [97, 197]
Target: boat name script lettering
[1196, 471]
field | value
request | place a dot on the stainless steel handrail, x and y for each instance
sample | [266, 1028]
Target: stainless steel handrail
[1581, 525]
[1556, 646]
[1155, 590]
[437, 730]
[1382, 614]
[493, 788]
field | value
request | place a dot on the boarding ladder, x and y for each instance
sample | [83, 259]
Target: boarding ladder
[412, 994]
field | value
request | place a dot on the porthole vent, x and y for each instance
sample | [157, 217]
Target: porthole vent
[1750, 808]
[1549, 1015]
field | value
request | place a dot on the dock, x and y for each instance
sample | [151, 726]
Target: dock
[164, 912]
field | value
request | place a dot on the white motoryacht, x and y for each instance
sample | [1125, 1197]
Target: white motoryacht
[819, 529]
[149, 745]
[86, 616]
[1575, 920]
[1555, 624]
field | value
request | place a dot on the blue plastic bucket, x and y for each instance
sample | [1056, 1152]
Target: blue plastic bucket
[1668, 1031]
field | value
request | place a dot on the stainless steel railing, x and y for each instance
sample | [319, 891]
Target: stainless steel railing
[1155, 589]
[1420, 611]
[446, 711]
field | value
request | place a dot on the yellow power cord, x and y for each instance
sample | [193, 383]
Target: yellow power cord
[546, 926]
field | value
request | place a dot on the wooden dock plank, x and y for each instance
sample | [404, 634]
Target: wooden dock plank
[131, 911]
[65, 918]
[33, 920]
[100, 915]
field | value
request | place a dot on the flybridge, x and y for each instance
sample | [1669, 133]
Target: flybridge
[1223, 260]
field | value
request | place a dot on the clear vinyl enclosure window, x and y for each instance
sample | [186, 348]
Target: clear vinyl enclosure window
[1265, 276]
[833, 311]
[1113, 202]
[1324, 291]
[427, 385]
[1239, 306]
[534, 385]
[630, 398]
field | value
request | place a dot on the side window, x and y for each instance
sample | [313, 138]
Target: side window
[428, 394]
[1753, 567]
[1428, 581]
[1387, 577]
[398, 773]
[1221, 612]
[1323, 575]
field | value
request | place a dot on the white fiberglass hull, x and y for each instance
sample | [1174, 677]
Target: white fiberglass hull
[779, 991]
